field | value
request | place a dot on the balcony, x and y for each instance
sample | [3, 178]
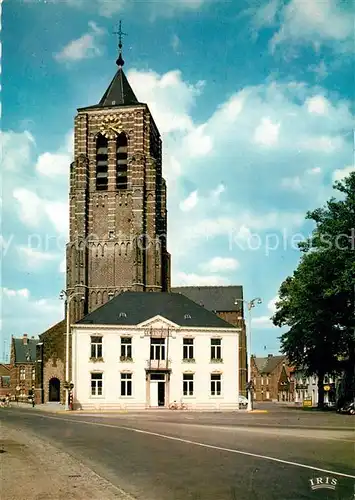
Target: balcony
[158, 364]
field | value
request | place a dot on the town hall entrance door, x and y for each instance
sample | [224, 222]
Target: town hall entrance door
[54, 390]
[157, 389]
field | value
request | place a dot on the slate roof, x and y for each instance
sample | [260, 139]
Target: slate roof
[268, 364]
[141, 306]
[118, 93]
[213, 298]
[25, 353]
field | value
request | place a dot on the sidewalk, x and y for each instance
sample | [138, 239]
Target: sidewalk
[33, 469]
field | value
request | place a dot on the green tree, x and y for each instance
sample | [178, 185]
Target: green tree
[317, 302]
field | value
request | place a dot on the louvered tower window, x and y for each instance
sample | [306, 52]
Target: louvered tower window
[101, 163]
[121, 162]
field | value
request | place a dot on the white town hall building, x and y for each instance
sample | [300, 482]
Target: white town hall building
[145, 350]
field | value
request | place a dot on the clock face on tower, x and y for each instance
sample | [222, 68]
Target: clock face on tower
[111, 126]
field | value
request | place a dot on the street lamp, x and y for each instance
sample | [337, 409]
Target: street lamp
[250, 305]
[68, 298]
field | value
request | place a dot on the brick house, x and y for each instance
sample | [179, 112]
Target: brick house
[5, 371]
[271, 378]
[221, 301]
[23, 365]
[50, 356]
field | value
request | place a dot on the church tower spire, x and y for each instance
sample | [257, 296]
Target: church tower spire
[118, 213]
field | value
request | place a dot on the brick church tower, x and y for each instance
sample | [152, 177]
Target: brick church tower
[118, 215]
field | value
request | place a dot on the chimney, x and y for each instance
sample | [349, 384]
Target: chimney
[25, 339]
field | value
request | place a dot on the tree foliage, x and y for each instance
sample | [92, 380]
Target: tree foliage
[317, 302]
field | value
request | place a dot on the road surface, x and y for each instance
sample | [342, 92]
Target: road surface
[212, 456]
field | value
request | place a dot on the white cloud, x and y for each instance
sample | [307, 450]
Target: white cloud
[197, 143]
[186, 279]
[220, 264]
[85, 47]
[314, 171]
[33, 210]
[35, 259]
[37, 314]
[190, 202]
[317, 104]
[340, 174]
[22, 292]
[175, 43]
[292, 183]
[267, 133]
[272, 304]
[63, 266]
[314, 23]
[21, 145]
[322, 144]
[170, 98]
[52, 165]
[265, 321]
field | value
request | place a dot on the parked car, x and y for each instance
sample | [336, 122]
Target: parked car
[243, 402]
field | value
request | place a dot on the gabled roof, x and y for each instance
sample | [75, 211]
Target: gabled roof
[25, 353]
[4, 370]
[267, 365]
[213, 298]
[133, 308]
[58, 328]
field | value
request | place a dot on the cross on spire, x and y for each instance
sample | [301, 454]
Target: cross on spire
[120, 34]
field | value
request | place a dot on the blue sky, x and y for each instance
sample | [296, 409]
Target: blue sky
[254, 103]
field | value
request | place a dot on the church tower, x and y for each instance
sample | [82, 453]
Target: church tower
[118, 214]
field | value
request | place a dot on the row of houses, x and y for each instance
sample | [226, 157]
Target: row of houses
[275, 380]
[153, 363]
[143, 350]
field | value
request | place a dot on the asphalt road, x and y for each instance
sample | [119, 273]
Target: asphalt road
[185, 456]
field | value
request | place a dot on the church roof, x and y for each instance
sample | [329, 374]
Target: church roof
[213, 298]
[133, 308]
[119, 92]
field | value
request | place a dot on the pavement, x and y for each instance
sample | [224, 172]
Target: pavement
[167, 455]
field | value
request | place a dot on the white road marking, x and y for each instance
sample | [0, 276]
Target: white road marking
[203, 445]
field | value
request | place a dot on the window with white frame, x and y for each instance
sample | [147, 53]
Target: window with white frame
[126, 384]
[188, 348]
[267, 381]
[216, 349]
[22, 373]
[96, 347]
[216, 384]
[96, 384]
[262, 381]
[188, 384]
[126, 348]
[157, 349]
[33, 373]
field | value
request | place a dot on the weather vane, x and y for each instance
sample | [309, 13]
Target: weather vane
[120, 61]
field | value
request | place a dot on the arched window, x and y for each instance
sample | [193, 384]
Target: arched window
[101, 163]
[121, 161]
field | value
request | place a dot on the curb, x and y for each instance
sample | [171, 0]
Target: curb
[258, 411]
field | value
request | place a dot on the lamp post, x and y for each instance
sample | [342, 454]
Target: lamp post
[68, 298]
[250, 305]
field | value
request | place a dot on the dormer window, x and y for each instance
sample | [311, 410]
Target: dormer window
[101, 163]
[123, 315]
[187, 316]
[121, 161]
